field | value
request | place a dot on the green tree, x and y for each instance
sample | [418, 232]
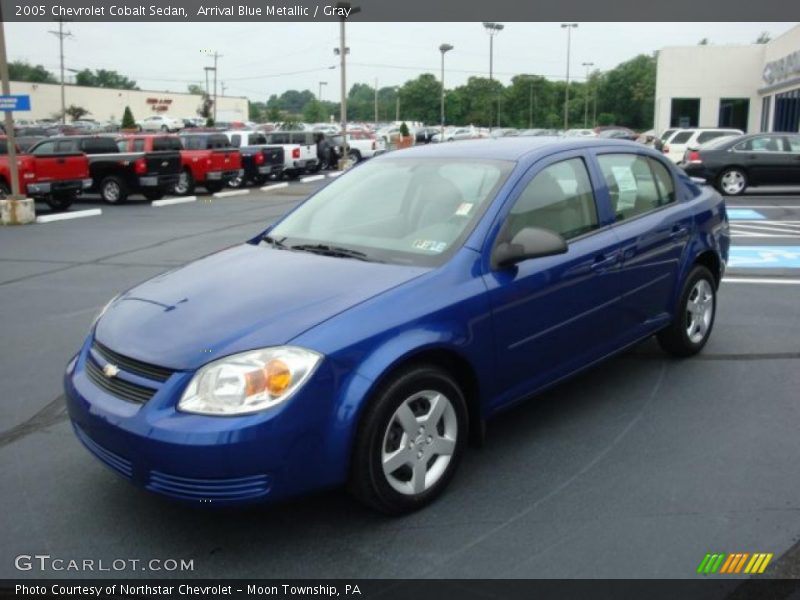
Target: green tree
[76, 112]
[313, 112]
[104, 79]
[703, 42]
[763, 38]
[19, 70]
[197, 90]
[627, 92]
[257, 111]
[274, 114]
[128, 121]
[419, 99]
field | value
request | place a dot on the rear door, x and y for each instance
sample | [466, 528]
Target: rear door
[55, 160]
[766, 159]
[654, 229]
[792, 145]
[555, 314]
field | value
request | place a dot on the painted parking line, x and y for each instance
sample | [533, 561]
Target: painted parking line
[171, 201]
[274, 186]
[770, 229]
[75, 214]
[336, 174]
[761, 281]
[744, 214]
[764, 257]
[312, 178]
[231, 193]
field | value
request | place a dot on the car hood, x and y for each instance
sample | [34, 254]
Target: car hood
[238, 299]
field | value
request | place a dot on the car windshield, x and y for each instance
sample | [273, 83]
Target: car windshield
[400, 210]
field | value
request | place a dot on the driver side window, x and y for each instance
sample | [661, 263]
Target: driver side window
[559, 198]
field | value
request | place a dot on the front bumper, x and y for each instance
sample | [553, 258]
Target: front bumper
[201, 459]
[270, 169]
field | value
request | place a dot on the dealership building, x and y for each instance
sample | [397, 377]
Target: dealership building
[107, 104]
[754, 87]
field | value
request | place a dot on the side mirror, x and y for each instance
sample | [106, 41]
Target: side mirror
[531, 242]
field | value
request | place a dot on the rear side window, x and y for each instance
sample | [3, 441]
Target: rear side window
[236, 140]
[122, 145]
[681, 137]
[559, 198]
[635, 184]
[99, 146]
[138, 145]
[66, 146]
[256, 139]
[194, 142]
[794, 143]
[166, 143]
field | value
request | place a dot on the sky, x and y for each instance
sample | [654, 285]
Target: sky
[261, 59]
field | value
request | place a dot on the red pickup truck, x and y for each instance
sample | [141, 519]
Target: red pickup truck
[57, 179]
[207, 159]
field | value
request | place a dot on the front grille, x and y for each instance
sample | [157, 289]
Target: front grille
[131, 365]
[190, 488]
[121, 465]
[115, 386]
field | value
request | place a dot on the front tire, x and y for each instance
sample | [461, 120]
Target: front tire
[113, 190]
[732, 182]
[410, 441]
[694, 316]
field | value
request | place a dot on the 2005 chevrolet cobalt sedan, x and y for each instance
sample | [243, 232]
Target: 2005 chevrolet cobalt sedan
[365, 337]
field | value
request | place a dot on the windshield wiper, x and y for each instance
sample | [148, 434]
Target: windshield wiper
[273, 242]
[327, 250]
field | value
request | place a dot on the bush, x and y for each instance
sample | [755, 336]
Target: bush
[404, 129]
[209, 122]
[128, 122]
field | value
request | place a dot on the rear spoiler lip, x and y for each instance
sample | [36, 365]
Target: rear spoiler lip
[699, 180]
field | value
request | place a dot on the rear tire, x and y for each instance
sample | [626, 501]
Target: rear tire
[185, 185]
[410, 441]
[113, 190]
[5, 191]
[213, 187]
[732, 182]
[60, 202]
[694, 315]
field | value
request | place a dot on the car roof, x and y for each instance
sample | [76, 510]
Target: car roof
[511, 148]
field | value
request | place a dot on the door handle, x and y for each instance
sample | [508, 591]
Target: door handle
[678, 233]
[603, 262]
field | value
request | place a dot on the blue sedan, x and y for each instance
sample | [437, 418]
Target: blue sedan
[366, 337]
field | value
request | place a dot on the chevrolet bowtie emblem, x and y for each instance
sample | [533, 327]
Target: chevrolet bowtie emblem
[110, 370]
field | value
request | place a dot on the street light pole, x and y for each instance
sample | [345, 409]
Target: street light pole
[569, 27]
[588, 65]
[397, 104]
[345, 8]
[530, 106]
[492, 29]
[444, 48]
[8, 123]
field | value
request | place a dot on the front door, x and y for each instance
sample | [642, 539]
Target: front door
[553, 315]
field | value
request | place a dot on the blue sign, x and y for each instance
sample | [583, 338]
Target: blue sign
[744, 214]
[764, 257]
[9, 103]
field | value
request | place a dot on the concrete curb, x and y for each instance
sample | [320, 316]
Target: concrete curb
[171, 201]
[231, 193]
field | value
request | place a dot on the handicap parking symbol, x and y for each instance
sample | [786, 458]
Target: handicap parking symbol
[764, 257]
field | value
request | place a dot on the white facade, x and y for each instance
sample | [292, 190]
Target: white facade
[707, 86]
[105, 104]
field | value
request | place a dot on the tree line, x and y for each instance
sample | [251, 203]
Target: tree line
[624, 95]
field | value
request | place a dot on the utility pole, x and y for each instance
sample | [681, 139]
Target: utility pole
[588, 65]
[492, 29]
[9, 121]
[397, 106]
[444, 48]
[569, 27]
[60, 34]
[376, 103]
[217, 55]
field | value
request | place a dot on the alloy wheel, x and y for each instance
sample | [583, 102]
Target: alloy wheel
[733, 182]
[699, 311]
[419, 442]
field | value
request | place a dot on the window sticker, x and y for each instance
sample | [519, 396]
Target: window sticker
[430, 246]
[464, 209]
[626, 183]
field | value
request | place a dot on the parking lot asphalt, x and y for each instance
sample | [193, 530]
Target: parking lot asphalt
[637, 468]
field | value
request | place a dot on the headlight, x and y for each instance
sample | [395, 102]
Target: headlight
[249, 382]
[103, 310]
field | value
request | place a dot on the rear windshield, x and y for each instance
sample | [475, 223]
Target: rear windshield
[99, 146]
[166, 143]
